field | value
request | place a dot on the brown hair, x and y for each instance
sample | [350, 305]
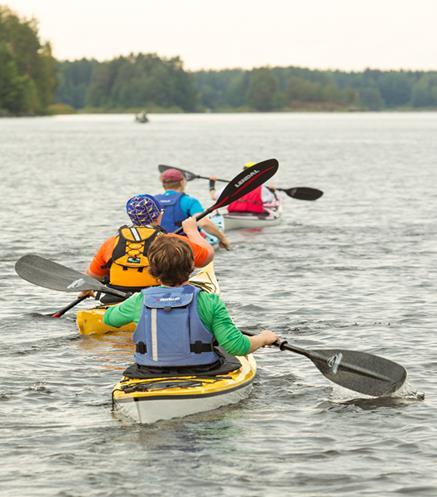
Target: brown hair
[171, 185]
[170, 259]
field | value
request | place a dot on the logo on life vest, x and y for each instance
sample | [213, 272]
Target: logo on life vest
[76, 283]
[247, 177]
[133, 260]
[169, 299]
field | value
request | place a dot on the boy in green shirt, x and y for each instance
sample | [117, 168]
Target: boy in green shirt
[171, 260]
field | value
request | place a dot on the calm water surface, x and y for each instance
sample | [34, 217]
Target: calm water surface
[356, 269]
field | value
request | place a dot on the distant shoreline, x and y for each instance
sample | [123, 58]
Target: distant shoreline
[295, 111]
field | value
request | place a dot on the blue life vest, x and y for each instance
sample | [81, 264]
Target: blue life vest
[173, 214]
[170, 332]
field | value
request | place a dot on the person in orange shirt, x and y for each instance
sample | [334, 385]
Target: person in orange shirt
[121, 261]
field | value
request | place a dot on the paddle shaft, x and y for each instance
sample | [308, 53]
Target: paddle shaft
[299, 193]
[62, 311]
[217, 179]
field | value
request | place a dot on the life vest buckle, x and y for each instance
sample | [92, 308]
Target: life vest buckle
[141, 348]
[198, 347]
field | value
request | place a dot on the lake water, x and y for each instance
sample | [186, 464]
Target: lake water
[356, 270]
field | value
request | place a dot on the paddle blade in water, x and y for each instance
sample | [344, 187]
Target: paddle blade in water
[247, 181]
[303, 193]
[188, 175]
[359, 371]
[49, 274]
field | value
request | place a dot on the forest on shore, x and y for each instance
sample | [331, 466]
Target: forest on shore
[32, 82]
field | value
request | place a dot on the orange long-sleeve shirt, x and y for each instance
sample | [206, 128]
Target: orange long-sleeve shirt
[97, 266]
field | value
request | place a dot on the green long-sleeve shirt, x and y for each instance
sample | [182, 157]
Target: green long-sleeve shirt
[212, 312]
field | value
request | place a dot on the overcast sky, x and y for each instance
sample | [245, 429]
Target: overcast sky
[339, 34]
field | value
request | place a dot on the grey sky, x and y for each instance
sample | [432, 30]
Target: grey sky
[340, 34]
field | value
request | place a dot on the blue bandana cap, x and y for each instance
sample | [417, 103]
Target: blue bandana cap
[143, 209]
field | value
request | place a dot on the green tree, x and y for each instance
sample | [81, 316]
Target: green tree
[261, 94]
[27, 76]
[424, 93]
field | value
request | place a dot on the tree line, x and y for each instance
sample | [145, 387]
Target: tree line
[28, 72]
[31, 81]
[148, 81]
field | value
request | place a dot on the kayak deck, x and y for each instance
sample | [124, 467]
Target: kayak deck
[150, 400]
[90, 321]
[247, 220]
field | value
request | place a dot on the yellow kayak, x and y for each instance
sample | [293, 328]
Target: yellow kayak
[150, 399]
[90, 321]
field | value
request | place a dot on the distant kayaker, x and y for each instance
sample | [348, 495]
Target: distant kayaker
[177, 323]
[122, 260]
[178, 206]
[262, 200]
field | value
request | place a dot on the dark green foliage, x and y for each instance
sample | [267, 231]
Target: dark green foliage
[262, 93]
[27, 68]
[146, 80]
[73, 80]
[425, 91]
[135, 81]
[285, 88]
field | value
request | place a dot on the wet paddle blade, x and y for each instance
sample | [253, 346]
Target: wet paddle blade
[188, 175]
[303, 193]
[49, 274]
[247, 181]
[359, 371]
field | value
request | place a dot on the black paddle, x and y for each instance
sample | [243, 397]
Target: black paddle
[243, 183]
[62, 311]
[365, 373]
[299, 192]
[48, 274]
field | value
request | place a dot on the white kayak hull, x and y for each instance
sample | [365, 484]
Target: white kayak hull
[237, 220]
[151, 411]
[149, 401]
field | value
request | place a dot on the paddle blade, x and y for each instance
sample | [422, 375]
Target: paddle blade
[247, 181]
[49, 274]
[303, 193]
[188, 175]
[359, 371]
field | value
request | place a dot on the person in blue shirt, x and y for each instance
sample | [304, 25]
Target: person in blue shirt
[178, 206]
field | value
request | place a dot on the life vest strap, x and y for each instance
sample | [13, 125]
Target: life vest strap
[197, 347]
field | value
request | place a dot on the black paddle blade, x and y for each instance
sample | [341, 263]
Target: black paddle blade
[188, 175]
[247, 181]
[303, 193]
[49, 274]
[359, 371]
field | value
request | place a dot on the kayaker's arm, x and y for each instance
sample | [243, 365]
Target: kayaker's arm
[212, 229]
[266, 337]
[189, 226]
[215, 316]
[126, 312]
